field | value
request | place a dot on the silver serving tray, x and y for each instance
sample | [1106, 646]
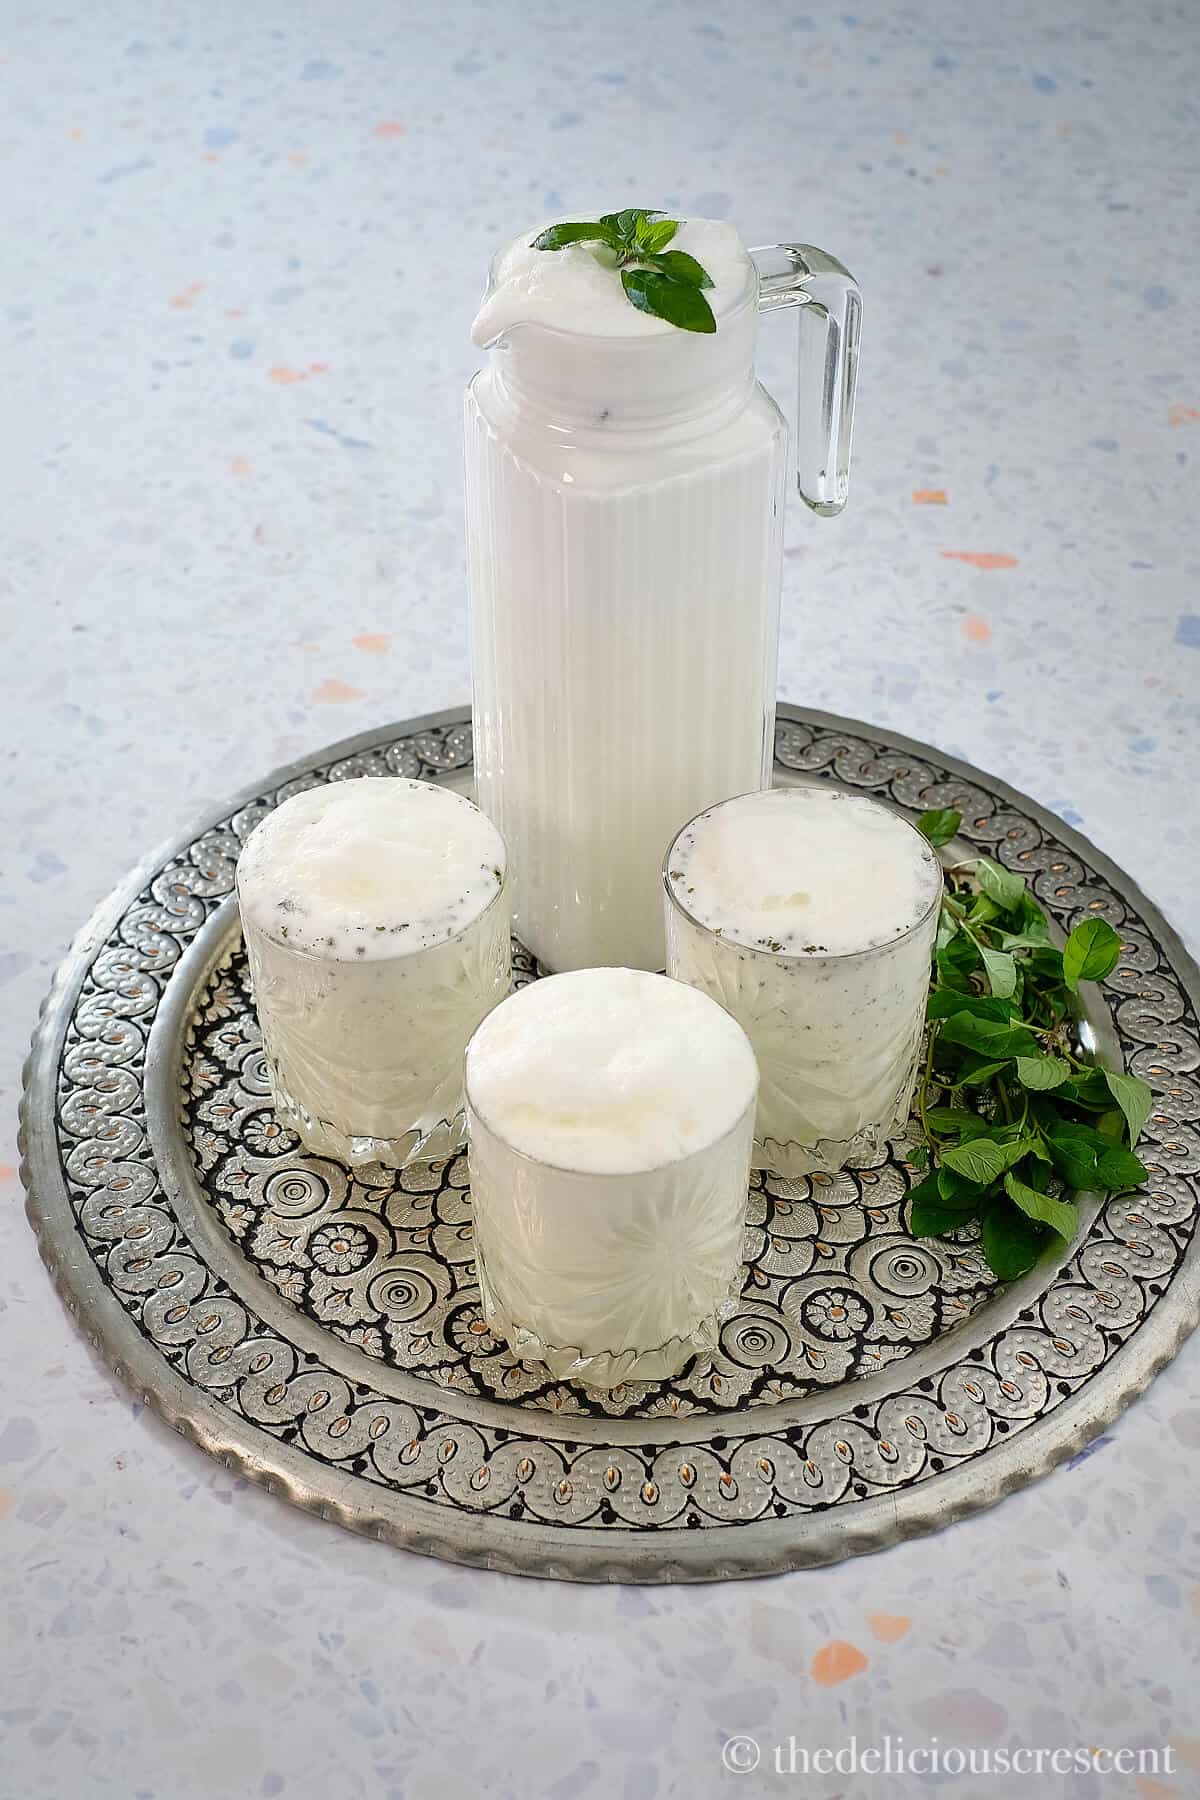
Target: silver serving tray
[320, 1331]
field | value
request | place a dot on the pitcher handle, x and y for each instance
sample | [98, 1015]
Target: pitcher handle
[801, 275]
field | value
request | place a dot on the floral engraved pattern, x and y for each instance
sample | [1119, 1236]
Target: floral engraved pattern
[339, 1249]
[834, 1313]
[338, 1313]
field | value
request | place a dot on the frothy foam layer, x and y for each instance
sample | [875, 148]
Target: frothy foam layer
[570, 290]
[801, 871]
[610, 1071]
[370, 868]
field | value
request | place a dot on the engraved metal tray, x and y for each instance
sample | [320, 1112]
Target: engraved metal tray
[320, 1331]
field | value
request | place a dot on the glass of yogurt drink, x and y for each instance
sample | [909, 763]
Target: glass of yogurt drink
[811, 915]
[625, 484]
[376, 918]
[610, 1115]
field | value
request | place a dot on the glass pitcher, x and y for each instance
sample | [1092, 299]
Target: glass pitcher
[625, 502]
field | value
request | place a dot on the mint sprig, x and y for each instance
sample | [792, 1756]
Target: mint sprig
[1015, 1122]
[667, 283]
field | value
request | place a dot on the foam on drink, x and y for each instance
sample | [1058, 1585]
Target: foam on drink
[827, 876]
[610, 1071]
[370, 868]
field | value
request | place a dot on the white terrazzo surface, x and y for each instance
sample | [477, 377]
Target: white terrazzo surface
[241, 248]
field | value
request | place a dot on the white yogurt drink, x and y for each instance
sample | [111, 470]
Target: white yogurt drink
[376, 919]
[625, 485]
[811, 914]
[610, 1115]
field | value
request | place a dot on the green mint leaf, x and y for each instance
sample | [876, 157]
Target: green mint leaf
[1000, 885]
[1001, 972]
[1033, 932]
[1134, 1098]
[1042, 1072]
[984, 1160]
[990, 1037]
[926, 1189]
[1118, 1168]
[926, 1218]
[1078, 1132]
[675, 301]
[1087, 1087]
[655, 234]
[944, 1005]
[983, 911]
[631, 212]
[930, 1214]
[918, 1157]
[956, 1121]
[1060, 1215]
[1020, 940]
[682, 267]
[557, 237]
[947, 928]
[1032, 919]
[955, 1190]
[939, 824]
[1111, 1125]
[1090, 952]
[982, 1076]
[1012, 1242]
[1074, 1151]
[956, 961]
[628, 220]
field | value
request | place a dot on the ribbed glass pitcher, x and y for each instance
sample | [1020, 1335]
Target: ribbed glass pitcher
[625, 493]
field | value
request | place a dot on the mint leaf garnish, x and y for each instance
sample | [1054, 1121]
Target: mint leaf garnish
[557, 237]
[939, 824]
[682, 267]
[1014, 1121]
[1058, 1214]
[676, 301]
[1134, 1098]
[1000, 885]
[1091, 952]
[1001, 971]
[984, 1160]
[665, 283]
[1012, 1242]
[655, 235]
[1041, 1073]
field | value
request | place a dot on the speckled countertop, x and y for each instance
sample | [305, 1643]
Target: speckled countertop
[242, 245]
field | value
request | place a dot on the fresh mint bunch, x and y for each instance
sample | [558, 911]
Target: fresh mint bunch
[1022, 1122]
[667, 283]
